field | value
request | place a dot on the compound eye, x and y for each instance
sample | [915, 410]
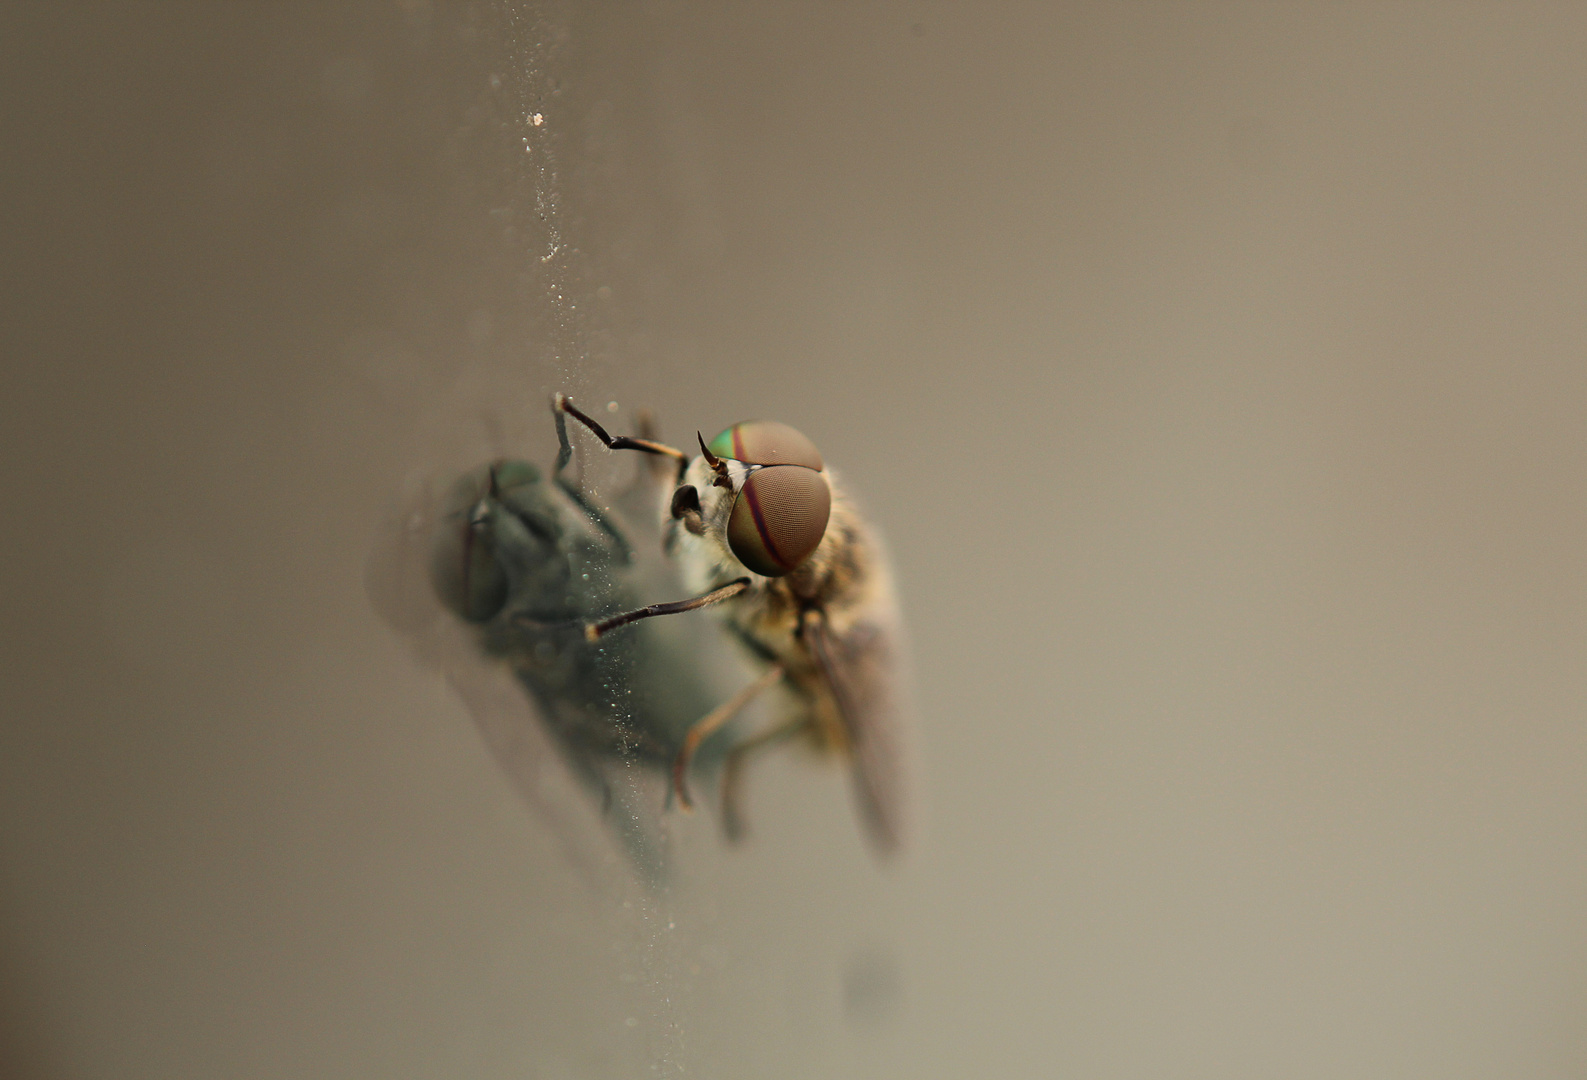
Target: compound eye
[512, 480]
[779, 518]
[464, 570]
[766, 442]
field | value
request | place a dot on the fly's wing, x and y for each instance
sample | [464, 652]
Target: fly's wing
[546, 778]
[862, 668]
[554, 780]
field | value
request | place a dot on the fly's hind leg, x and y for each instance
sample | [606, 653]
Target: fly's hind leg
[733, 772]
[709, 724]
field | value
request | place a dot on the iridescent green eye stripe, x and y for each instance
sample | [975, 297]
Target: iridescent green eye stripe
[723, 445]
[749, 495]
[738, 452]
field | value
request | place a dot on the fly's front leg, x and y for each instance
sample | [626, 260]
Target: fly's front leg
[594, 631]
[574, 492]
[563, 404]
[707, 725]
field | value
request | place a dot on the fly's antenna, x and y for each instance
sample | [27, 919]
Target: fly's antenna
[718, 466]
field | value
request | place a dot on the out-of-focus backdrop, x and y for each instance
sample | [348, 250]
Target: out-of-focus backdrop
[1217, 372]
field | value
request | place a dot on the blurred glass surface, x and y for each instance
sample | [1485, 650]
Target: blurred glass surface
[1214, 370]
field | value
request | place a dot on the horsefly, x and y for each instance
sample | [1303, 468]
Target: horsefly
[763, 532]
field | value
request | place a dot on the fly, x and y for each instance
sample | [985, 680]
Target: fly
[763, 532]
[503, 571]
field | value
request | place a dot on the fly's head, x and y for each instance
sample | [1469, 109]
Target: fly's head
[758, 493]
[498, 525]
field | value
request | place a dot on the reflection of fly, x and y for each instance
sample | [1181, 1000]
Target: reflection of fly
[760, 527]
[520, 565]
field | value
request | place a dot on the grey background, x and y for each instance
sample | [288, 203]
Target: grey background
[1215, 370]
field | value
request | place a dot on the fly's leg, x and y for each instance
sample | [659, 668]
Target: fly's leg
[709, 724]
[593, 631]
[655, 469]
[653, 474]
[574, 492]
[621, 442]
[733, 772]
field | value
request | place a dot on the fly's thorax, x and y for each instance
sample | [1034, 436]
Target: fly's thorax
[844, 572]
[846, 578]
